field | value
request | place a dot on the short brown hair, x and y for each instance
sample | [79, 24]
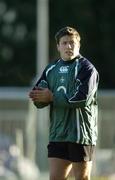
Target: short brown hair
[66, 31]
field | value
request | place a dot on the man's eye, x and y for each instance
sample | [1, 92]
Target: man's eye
[64, 43]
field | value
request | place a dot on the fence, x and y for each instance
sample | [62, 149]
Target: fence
[19, 122]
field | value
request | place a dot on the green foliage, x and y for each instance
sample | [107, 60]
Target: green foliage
[17, 44]
[93, 19]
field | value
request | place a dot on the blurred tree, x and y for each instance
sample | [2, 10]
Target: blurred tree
[93, 19]
[17, 42]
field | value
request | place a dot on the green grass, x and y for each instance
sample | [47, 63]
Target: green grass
[93, 178]
[99, 178]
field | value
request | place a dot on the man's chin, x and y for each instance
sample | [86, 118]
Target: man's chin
[69, 58]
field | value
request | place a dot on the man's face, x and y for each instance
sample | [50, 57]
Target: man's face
[68, 47]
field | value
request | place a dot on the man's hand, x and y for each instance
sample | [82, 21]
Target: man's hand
[43, 95]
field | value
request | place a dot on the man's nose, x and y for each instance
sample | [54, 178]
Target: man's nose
[69, 45]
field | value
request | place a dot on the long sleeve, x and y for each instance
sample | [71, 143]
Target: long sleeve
[85, 88]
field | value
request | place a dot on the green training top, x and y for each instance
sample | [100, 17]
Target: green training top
[73, 112]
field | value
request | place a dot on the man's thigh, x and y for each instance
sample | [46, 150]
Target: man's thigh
[63, 155]
[82, 170]
[59, 168]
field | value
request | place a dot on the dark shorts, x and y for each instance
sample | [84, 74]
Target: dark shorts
[71, 151]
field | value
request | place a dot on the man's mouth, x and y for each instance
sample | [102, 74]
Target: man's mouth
[69, 52]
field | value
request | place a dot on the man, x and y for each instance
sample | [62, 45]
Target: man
[69, 85]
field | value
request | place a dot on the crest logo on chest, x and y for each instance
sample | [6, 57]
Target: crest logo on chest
[63, 69]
